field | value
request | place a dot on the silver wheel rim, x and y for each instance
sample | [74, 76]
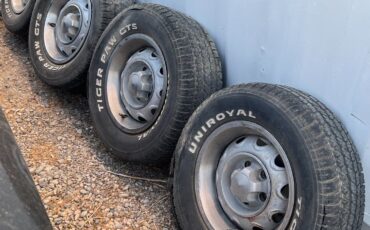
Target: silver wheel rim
[66, 27]
[136, 82]
[18, 6]
[243, 179]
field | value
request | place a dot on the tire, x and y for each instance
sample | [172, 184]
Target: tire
[185, 68]
[61, 46]
[17, 17]
[21, 204]
[304, 168]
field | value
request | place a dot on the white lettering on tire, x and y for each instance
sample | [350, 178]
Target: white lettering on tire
[297, 214]
[201, 133]
[99, 84]
[128, 28]
[38, 49]
[8, 11]
[112, 42]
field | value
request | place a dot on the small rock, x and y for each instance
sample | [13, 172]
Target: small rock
[43, 183]
[118, 225]
[124, 195]
[58, 221]
[39, 169]
[83, 214]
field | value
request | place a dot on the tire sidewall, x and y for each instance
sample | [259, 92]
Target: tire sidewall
[15, 22]
[259, 111]
[61, 74]
[137, 145]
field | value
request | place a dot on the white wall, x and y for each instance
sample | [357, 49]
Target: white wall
[321, 47]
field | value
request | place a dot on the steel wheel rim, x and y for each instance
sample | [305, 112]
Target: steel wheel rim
[18, 6]
[220, 148]
[136, 83]
[66, 28]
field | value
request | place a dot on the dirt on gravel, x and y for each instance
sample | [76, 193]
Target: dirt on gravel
[77, 178]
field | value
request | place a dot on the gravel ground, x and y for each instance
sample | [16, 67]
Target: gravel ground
[76, 177]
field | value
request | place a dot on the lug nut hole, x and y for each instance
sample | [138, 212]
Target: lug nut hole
[262, 196]
[285, 191]
[257, 228]
[279, 162]
[240, 140]
[260, 142]
[263, 175]
[141, 119]
[277, 217]
[247, 164]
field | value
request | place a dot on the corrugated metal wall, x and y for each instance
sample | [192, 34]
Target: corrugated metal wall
[321, 47]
